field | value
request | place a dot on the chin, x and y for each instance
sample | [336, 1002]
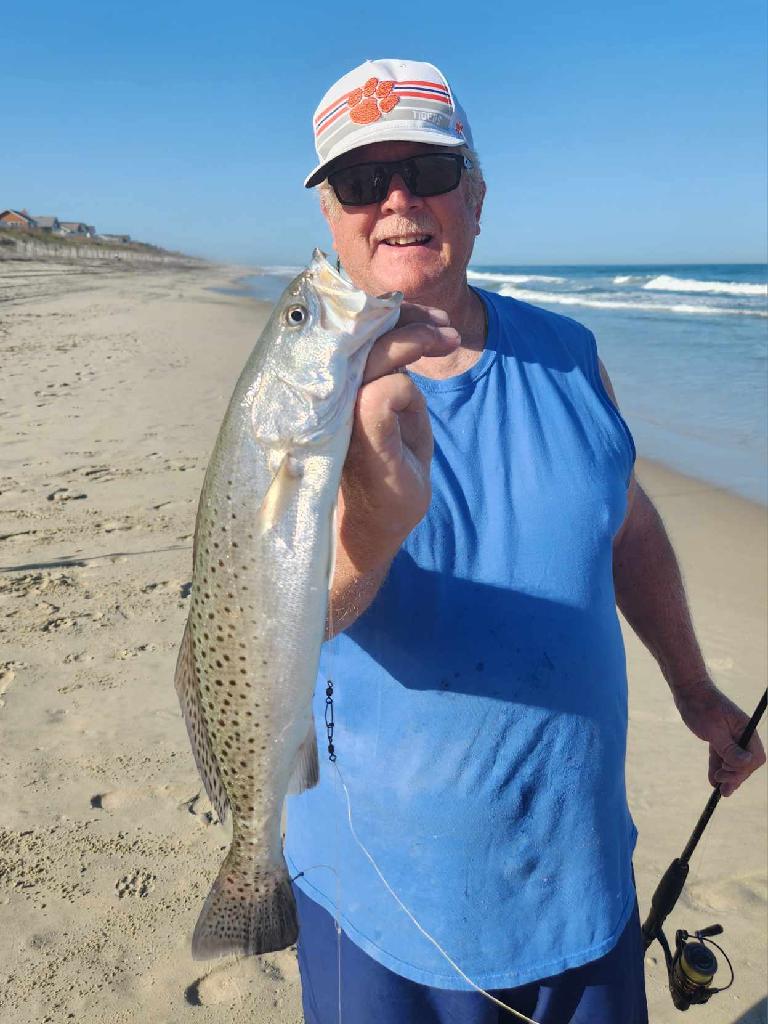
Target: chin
[411, 276]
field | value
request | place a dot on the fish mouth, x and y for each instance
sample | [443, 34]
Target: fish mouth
[338, 290]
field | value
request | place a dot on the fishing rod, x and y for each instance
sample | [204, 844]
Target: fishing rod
[693, 965]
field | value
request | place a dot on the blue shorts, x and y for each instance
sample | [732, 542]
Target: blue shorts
[607, 991]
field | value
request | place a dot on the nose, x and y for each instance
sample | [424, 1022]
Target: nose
[399, 197]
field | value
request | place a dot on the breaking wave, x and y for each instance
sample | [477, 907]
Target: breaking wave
[479, 275]
[667, 283]
[543, 298]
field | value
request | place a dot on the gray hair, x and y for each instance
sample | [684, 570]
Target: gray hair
[473, 176]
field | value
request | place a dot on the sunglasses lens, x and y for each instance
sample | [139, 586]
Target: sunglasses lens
[433, 174]
[359, 186]
[428, 175]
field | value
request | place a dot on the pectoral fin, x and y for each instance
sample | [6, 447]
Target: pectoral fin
[280, 493]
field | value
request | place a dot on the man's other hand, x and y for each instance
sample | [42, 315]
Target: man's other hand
[711, 716]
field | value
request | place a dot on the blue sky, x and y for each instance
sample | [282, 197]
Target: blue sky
[609, 132]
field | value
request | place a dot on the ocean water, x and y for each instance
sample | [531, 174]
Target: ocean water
[686, 347]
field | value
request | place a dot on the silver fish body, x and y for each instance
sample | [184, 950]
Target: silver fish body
[262, 563]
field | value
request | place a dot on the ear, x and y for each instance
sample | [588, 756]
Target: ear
[330, 218]
[479, 209]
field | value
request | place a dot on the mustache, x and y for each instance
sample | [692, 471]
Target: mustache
[401, 226]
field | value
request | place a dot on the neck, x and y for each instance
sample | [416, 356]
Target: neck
[467, 314]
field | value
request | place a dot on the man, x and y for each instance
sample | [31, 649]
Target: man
[489, 524]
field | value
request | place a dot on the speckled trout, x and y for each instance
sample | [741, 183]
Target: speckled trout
[262, 564]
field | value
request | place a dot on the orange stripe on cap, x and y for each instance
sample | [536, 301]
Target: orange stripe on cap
[423, 95]
[341, 99]
[432, 85]
[330, 121]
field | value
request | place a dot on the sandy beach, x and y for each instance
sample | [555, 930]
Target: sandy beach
[115, 381]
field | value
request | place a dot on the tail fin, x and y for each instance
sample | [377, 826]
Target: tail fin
[246, 912]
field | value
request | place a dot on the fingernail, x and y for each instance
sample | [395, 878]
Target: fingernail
[439, 315]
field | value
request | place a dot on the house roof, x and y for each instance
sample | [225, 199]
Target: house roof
[73, 224]
[18, 213]
[46, 222]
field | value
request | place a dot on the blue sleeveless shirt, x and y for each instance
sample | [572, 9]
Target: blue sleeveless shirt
[480, 702]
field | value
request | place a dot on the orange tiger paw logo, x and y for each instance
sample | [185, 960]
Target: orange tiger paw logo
[366, 105]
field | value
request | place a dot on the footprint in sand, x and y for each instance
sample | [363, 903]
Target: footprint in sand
[135, 651]
[728, 894]
[138, 883]
[64, 494]
[7, 675]
[133, 796]
[235, 981]
[200, 806]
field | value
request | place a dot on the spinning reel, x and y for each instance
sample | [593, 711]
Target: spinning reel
[693, 965]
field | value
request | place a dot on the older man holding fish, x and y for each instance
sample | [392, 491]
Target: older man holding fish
[489, 522]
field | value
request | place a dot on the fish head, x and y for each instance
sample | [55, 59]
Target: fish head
[322, 330]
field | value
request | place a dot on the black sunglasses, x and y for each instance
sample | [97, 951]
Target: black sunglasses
[430, 174]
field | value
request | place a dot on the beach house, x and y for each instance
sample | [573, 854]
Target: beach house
[17, 219]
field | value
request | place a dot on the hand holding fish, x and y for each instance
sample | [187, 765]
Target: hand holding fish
[385, 488]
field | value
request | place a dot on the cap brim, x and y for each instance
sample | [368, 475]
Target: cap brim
[428, 136]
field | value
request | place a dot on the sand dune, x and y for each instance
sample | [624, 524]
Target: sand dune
[113, 388]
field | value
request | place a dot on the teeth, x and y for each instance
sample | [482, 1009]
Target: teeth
[408, 240]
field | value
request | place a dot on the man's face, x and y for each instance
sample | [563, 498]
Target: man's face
[440, 231]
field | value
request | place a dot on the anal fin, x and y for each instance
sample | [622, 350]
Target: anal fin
[306, 770]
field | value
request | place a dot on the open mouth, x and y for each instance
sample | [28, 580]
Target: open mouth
[405, 241]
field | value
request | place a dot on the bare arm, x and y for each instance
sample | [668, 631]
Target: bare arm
[651, 595]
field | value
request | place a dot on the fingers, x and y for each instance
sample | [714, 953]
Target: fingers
[421, 331]
[385, 404]
[732, 765]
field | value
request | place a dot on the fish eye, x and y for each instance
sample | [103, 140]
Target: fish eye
[296, 315]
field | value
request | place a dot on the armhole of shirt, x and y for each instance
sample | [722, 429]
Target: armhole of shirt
[605, 398]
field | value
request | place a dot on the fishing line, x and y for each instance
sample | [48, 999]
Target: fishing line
[424, 932]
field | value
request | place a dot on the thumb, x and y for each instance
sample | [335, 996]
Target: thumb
[733, 755]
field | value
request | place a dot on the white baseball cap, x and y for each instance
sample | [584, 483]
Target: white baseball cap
[387, 100]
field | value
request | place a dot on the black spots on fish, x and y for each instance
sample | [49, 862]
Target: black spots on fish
[211, 616]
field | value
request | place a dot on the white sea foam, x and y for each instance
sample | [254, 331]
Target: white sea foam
[667, 283]
[479, 275]
[281, 271]
[626, 278]
[545, 298]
